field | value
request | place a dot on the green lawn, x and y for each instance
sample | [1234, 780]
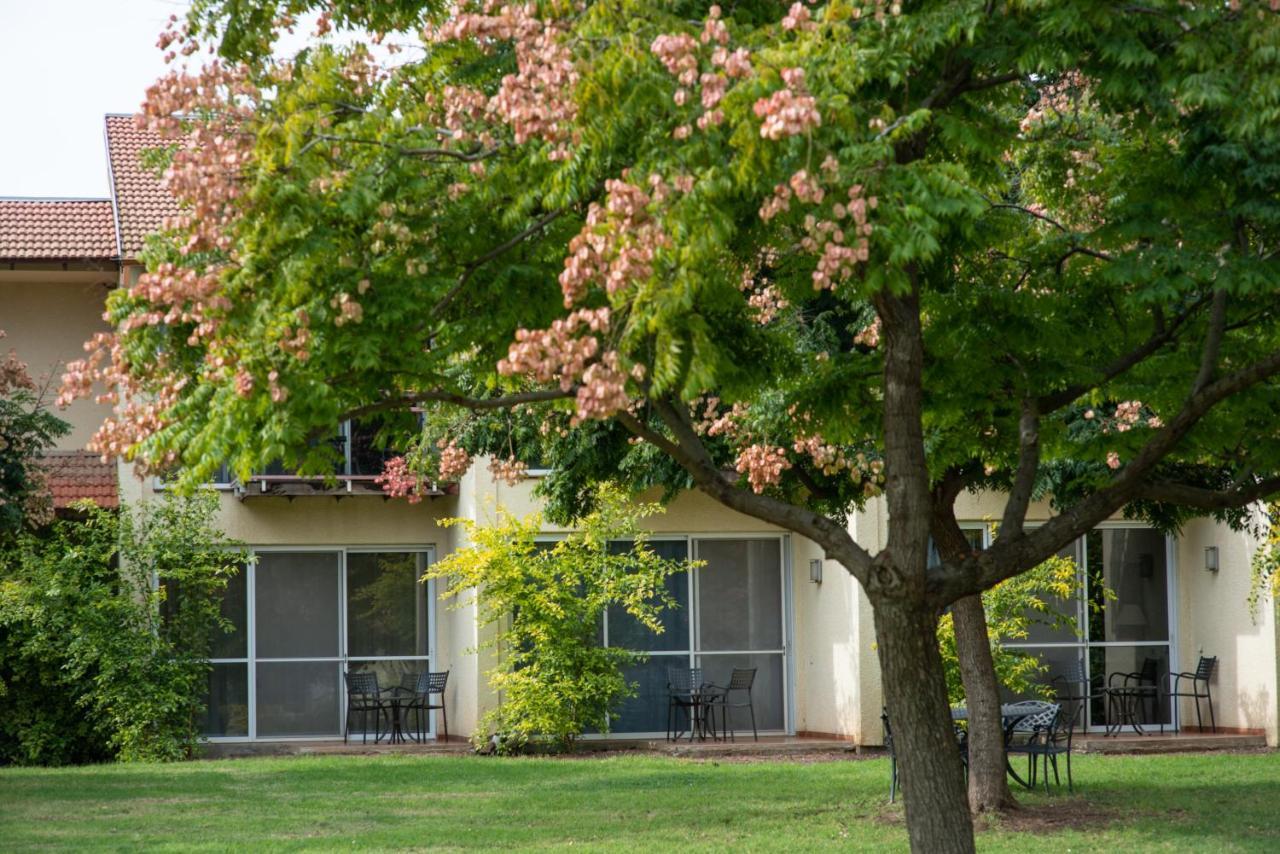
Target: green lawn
[1224, 802]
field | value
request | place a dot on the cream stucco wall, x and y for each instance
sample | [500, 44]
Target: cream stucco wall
[1214, 619]
[47, 316]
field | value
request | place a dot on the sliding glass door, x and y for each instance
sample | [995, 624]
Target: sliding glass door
[729, 613]
[1119, 624]
[303, 617]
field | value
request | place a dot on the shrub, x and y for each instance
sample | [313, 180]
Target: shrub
[105, 626]
[555, 679]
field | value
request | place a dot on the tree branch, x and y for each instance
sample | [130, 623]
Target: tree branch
[1169, 492]
[1212, 340]
[689, 452]
[1015, 510]
[1055, 400]
[1012, 554]
[502, 248]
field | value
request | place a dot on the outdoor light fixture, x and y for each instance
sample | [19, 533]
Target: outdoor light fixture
[1211, 558]
[815, 571]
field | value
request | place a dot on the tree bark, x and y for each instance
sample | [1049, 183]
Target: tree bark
[988, 782]
[924, 741]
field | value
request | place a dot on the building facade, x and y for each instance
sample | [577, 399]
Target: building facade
[334, 584]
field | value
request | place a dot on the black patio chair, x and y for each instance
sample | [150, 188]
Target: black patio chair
[1024, 730]
[364, 696]
[1126, 692]
[893, 757]
[1073, 690]
[684, 688]
[962, 743]
[1054, 729]
[1199, 679]
[722, 698]
[419, 689]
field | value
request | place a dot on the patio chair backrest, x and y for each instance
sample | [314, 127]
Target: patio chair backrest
[888, 731]
[1204, 670]
[683, 679]
[742, 679]
[1073, 674]
[433, 683]
[363, 682]
[1042, 720]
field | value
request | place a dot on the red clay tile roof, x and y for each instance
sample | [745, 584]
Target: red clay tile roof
[76, 475]
[141, 200]
[57, 228]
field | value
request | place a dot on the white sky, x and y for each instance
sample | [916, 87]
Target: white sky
[63, 65]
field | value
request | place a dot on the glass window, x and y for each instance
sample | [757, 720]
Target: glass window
[1132, 564]
[296, 605]
[227, 710]
[647, 711]
[1046, 628]
[626, 632]
[767, 692]
[386, 604]
[740, 594]
[298, 698]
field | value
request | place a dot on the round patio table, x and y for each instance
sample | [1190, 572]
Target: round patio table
[1011, 714]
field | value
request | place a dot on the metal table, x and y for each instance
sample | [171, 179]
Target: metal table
[1011, 714]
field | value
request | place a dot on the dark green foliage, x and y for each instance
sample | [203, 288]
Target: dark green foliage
[97, 661]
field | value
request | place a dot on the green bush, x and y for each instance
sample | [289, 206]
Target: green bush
[105, 627]
[554, 678]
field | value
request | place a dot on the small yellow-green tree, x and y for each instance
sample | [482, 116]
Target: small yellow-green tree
[556, 679]
[1012, 608]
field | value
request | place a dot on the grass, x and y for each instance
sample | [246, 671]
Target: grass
[631, 803]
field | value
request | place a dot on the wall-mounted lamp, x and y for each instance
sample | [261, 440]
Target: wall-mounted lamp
[1211, 558]
[815, 571]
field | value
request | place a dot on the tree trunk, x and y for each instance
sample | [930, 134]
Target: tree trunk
[923, 738]
[988, 782]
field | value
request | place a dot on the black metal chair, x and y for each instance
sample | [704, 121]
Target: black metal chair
[893, 757]
[1024, 730]
[962, 744]
[419, 689]
[1074, 691]
[1126, 692]
[740, 681]
[1053, 730]
[364, 696]
[1199, 679]
[684, 693]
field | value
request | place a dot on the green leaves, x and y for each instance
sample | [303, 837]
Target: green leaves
[545, 602]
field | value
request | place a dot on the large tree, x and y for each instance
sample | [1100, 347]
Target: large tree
[794, 257]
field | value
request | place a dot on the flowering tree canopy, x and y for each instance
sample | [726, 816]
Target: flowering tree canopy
[793, 255]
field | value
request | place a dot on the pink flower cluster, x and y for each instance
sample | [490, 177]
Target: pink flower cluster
[398, 480]
[509, 470]
[798, 18]
[616, 246]
[13, 374]
[603, 391]
[454, 461]
[789, 111]
[716, 423]
[832, 459]
[842, 241]
[1128, 414]
[559, 353]
[763, 465]
[537, 101]
[679, 53]
[869, 335]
